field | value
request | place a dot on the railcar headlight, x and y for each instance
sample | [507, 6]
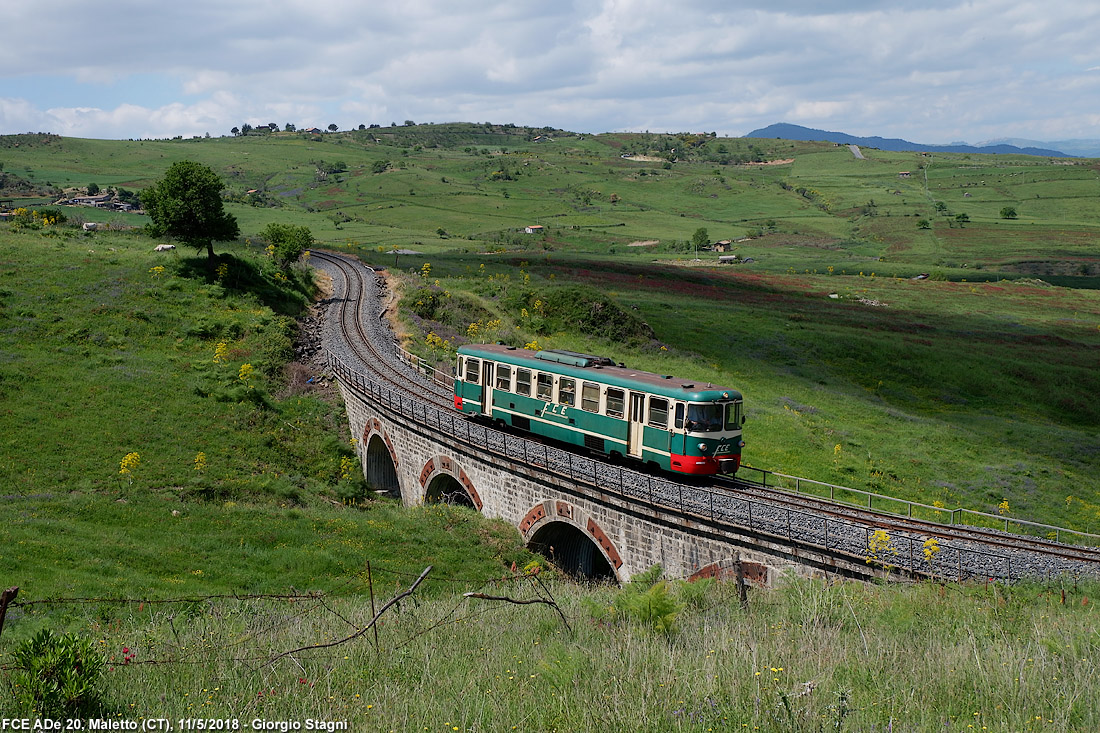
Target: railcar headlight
[741, 444]
[703, 447]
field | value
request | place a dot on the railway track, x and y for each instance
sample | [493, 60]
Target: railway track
[360, 329]
[893, 524]
[360, 332]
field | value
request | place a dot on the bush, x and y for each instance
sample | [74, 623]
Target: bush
[579, 310]
[55, 676]
[646, 601]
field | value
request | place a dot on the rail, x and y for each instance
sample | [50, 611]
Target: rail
[918, 510]
[904, 552]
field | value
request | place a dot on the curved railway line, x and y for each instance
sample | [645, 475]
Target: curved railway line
[358, 336]
[964, 550]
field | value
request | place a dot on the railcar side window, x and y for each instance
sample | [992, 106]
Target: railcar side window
[679, 415]
[590, 397]
[616, 398]
[545, 388]
[504, 377]
[523, 382]
[567, 391]
[658, 412]
[733, 416]
[473, 370]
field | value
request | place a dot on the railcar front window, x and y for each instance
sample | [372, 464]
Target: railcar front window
[473, 370]
[658, 412]
[590, 397]
[545, 389]
[733, 416]
[523, 382]
[616, 399]
[567, 392]
[704, 418]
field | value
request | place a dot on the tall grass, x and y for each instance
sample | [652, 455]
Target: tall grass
[811, 656]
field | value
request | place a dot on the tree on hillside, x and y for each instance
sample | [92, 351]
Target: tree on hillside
[333, 127]
[286, 242]
[290, 127]
[236, 131]
[1008, 212]
[187, 204]
[701, 238]
[93, 188]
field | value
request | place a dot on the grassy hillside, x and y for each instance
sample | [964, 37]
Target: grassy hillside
[969, 387]
[400, 186]
[241, 473]
[141, 460]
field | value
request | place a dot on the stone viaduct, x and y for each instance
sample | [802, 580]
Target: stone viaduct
[421, 453]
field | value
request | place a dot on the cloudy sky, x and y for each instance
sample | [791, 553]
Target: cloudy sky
[933, 71]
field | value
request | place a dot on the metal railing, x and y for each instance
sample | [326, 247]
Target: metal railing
[837, 493]
[422, 367]
[905, 552]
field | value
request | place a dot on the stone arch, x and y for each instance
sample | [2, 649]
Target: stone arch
[575, 543]
[442, 480]
[380, 459]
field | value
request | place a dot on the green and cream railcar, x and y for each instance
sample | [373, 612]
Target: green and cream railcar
[592, 402]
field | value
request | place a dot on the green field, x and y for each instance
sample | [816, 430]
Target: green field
[974, 386]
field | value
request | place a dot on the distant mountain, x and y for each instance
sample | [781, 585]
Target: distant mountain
[1081, 148]
[797, 132]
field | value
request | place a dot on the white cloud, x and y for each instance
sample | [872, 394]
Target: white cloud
[945, 70]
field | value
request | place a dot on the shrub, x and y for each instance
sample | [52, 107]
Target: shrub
[56, 676]
[644, 601]
[580, 310]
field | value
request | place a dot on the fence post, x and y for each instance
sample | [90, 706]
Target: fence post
[5, 598]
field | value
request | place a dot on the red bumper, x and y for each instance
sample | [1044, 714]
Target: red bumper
[704, 466]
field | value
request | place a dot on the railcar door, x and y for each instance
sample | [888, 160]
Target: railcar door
[636, 423]
[487, 388]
